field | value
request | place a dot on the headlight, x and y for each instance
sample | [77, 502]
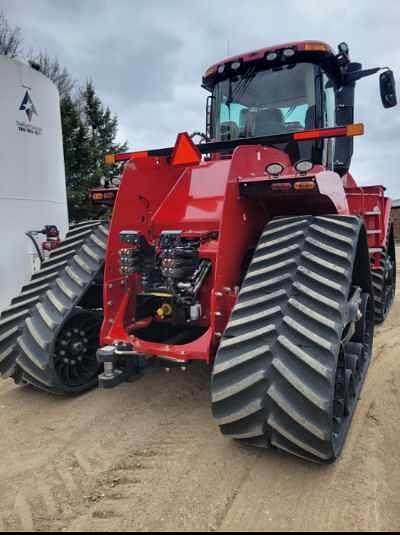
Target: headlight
[271, 56]
[289, 52]
[274, 169]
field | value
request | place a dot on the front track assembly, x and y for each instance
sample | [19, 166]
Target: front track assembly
[294, 355]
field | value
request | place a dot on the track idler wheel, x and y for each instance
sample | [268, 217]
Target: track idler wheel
[74, 357]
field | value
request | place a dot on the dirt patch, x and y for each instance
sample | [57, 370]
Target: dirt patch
[147, 456]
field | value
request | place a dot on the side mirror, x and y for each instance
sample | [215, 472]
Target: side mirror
[387, 85]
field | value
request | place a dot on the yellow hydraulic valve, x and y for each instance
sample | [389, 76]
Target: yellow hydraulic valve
[164, 311]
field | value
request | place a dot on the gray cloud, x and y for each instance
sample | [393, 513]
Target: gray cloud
[146, 58]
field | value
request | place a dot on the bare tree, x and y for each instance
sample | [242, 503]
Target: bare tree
[51, 68]
[10, 38]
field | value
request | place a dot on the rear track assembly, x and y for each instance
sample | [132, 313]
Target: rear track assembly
[384, 280]
[31, 329]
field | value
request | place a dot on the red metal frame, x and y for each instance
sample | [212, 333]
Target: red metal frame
[210, 197]
[226, 199]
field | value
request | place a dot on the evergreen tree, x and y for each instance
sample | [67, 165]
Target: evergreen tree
[75, 139]
[89, 131]
[94, 139]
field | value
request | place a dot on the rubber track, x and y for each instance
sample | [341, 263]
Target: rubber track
[378, 283]
[274, 374]
[14, 319]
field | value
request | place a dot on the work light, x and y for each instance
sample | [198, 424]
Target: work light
[274, 169]
[304, 166]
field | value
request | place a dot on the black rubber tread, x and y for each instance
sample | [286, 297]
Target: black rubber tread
[12, 319]
[273, 379]
[47, 317]
[383, 302]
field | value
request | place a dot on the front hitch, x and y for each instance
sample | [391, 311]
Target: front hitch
[121, 365]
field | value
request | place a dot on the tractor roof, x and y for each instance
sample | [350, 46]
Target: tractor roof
[313, 51]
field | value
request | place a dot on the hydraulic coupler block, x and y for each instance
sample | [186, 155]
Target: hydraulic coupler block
[131, 255]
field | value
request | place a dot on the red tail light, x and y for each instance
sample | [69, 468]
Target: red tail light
[281, 186]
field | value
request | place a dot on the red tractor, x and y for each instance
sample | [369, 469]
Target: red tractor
[256, 252]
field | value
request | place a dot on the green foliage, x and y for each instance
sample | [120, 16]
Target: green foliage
[89, 131]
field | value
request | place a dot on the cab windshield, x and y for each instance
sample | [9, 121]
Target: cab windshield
[265, 103]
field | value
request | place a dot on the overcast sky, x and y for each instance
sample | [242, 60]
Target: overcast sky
[146, 58]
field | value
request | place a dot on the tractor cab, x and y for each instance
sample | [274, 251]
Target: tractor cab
[289, 88]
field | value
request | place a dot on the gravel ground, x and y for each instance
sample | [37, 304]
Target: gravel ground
[148, 456]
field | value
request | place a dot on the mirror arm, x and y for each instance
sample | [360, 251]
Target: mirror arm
[351, 77]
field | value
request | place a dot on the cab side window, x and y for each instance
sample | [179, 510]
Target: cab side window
[329, 118]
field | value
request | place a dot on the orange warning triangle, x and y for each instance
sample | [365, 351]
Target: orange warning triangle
[185, 151]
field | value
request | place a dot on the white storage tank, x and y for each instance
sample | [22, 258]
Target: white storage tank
[32, 176]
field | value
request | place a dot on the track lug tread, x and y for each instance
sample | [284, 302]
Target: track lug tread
[275, 267]
[90, 253]
[21, 306]
[307, 359]
[254, 317]
[297, 416]
[83, 265]
[242, 358]
[7, 334]
[283, 430]
[46, 317]
[39, 282]
[297, 383]
[34, 333]
[74, 276]
[98, 242]
[26, 295]
[57, 304]
[249, 409]
[239, 386]
[66, 290]
[49, 270]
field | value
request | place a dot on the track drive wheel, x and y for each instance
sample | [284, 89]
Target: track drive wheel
[295, 352]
